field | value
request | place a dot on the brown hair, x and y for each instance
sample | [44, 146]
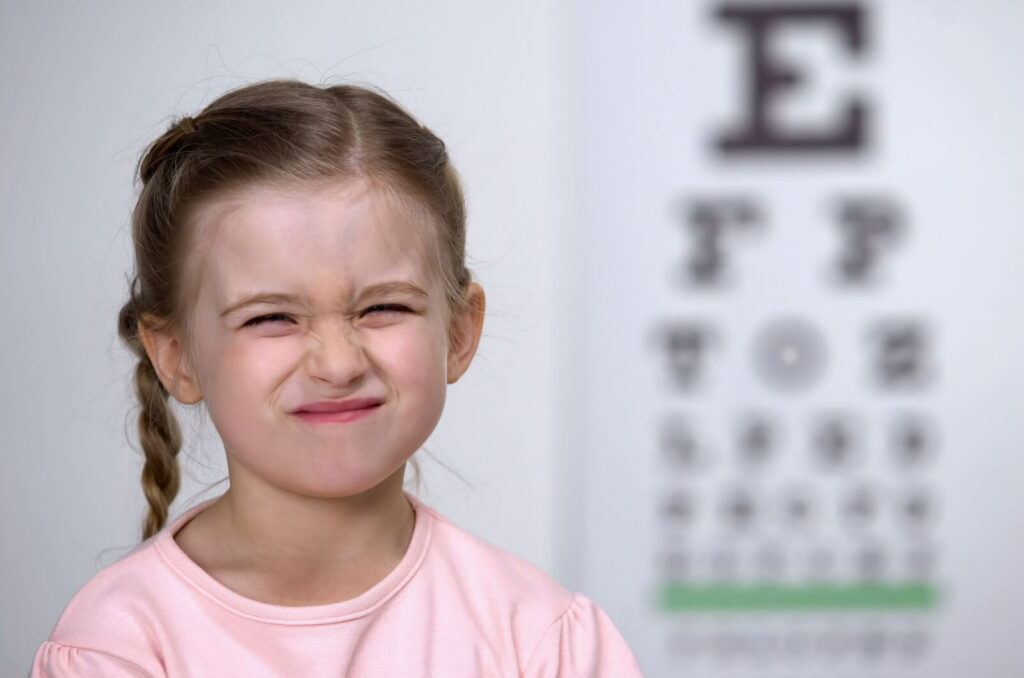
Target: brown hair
[279, 131]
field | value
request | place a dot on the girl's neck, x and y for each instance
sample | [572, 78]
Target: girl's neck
[287, 549]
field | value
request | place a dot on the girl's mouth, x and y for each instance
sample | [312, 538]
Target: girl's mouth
[337, 411]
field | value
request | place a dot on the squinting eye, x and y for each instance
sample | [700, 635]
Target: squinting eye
[272, 317]
[386, 308]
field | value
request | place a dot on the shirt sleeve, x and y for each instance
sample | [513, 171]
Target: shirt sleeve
[56, 660]
[582, 642]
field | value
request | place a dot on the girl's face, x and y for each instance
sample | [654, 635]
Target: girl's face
[309, 297]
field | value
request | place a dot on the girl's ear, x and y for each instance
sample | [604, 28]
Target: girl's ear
[464, 333]
[166, 351]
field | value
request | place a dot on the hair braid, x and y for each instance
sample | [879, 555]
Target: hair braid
[159, 433]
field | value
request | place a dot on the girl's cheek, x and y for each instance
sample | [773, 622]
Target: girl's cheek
[408, 347]
[274, 352]
[253, 358]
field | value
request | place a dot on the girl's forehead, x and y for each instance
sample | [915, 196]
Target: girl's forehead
[339, 232]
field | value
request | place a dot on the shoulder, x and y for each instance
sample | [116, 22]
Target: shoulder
[504, 596]
[554, 632]
[109, 595]
[113, 618]
[56, 660]
[582, 642]
[493, 572]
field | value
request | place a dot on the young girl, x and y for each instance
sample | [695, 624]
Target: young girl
[300, 269]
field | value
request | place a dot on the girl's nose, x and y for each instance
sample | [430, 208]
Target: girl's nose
[336, 357]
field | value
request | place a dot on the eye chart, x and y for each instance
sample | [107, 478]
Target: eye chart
[799, 386]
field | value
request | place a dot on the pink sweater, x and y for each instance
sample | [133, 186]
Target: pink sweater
[454, 607]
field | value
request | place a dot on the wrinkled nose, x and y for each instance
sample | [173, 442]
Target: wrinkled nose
[336, 357]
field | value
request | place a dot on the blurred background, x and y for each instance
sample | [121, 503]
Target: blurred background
[751, 374]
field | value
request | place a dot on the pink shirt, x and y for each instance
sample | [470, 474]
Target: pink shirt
[455, 606]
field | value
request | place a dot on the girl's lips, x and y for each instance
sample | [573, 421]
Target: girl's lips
[337, 411]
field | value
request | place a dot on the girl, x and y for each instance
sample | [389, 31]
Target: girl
[300, 269]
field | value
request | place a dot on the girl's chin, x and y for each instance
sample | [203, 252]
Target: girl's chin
[349, 485]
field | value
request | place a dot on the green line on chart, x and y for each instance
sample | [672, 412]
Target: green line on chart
[683, 597]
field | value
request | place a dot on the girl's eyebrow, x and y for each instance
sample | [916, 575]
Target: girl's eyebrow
[393, 287]
[390, 287]
[259, 298]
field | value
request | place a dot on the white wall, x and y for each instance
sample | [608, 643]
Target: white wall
[84, 86]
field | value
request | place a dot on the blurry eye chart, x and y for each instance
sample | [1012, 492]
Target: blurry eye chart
[799, 386]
